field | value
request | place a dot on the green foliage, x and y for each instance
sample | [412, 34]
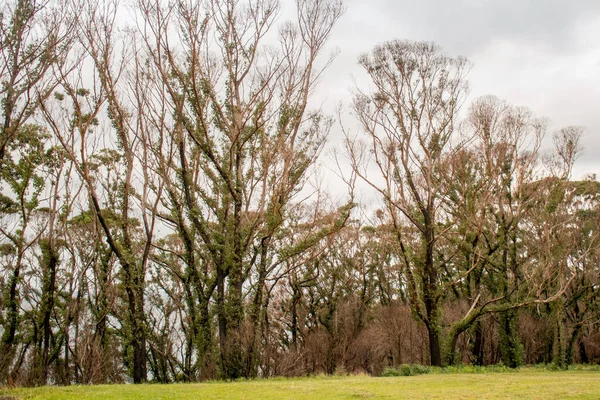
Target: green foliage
[23, 170]
[8, 205]
[409, 370]
[417, 369]
[7, 249]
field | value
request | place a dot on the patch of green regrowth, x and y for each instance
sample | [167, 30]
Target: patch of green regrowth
[417, 369]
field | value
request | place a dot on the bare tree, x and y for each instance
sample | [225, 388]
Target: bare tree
[409, 118]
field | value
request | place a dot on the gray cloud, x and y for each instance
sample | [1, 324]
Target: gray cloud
[468, 25]
[543, 54]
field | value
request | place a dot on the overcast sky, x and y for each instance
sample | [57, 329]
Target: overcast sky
[543, 54]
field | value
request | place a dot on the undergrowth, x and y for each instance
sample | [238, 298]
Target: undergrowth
[417, 369]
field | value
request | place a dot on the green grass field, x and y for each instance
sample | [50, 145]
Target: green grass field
[526, 384]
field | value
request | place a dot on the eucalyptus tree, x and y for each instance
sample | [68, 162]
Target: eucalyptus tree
[408, 116]
[35, 36]
[96, 119]
[23, 183]
[238, 142]
[458, 198]
[564, 242]
[508, 139]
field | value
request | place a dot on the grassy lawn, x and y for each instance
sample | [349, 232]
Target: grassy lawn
[526, 384]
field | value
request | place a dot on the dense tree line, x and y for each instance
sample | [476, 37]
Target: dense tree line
[159, 219]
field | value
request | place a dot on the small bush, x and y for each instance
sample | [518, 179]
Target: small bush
[415, 369]
[572, 367]
[407, 370]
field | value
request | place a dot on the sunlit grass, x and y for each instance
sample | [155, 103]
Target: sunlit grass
[525, 384]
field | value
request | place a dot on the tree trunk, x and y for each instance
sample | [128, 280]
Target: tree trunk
[430, 293]
[138, 333]
[558, 347]
[51, 261]
[296, 296]
[570, 351]
[256, 312]
[12, 317]
[478, 345]
[510, 345]
[583, 357]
